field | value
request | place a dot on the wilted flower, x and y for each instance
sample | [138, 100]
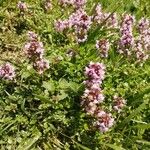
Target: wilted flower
[140, 52]
[7, 71]
[32, 36]
[71, 53]
[22, 6]
[47, 5]
[98, 17]
[81, 37]
[143, 25]
[119, 103]
[74, 3]
[89, 107]
[103, 47]
[41, 65]
[34, 49]
[112, 21]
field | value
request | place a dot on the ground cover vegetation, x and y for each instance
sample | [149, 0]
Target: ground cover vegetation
[74, 74]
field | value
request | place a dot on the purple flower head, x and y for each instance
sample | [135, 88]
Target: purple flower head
[140, 52]
[127, 40]
[104, 122]
[94, 94]
[80, 19]
[95, 71]
[7, 71]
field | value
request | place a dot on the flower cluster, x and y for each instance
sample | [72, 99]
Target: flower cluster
[7, 71]
[119, 103]
[34, 50]
[47, 5]
[110, 19]
[79, 21]
[61, 25]
[98, 17]
[104, 121]
[74, 3]
[127, 40]
[142, 43]
[95, 73]
[41, 65]
[103, 47]
[22, 6]
[93, 96]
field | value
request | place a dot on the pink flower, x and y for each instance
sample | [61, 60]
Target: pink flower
[60, 25]
[80, 19]
[127, 40]
[94, 94]
[79, 3]
[104, 121]
[7, 71]
[95, 71]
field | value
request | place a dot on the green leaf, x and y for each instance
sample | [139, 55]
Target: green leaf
[27, 144]
[114, 147]
[133, 114]
[81, 146]
[143, 142]
[49, 86]
[143, 126]
[62, 96]
[63, 84]
[43, 98]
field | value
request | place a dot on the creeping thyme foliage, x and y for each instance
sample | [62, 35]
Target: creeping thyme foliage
[74, 74]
